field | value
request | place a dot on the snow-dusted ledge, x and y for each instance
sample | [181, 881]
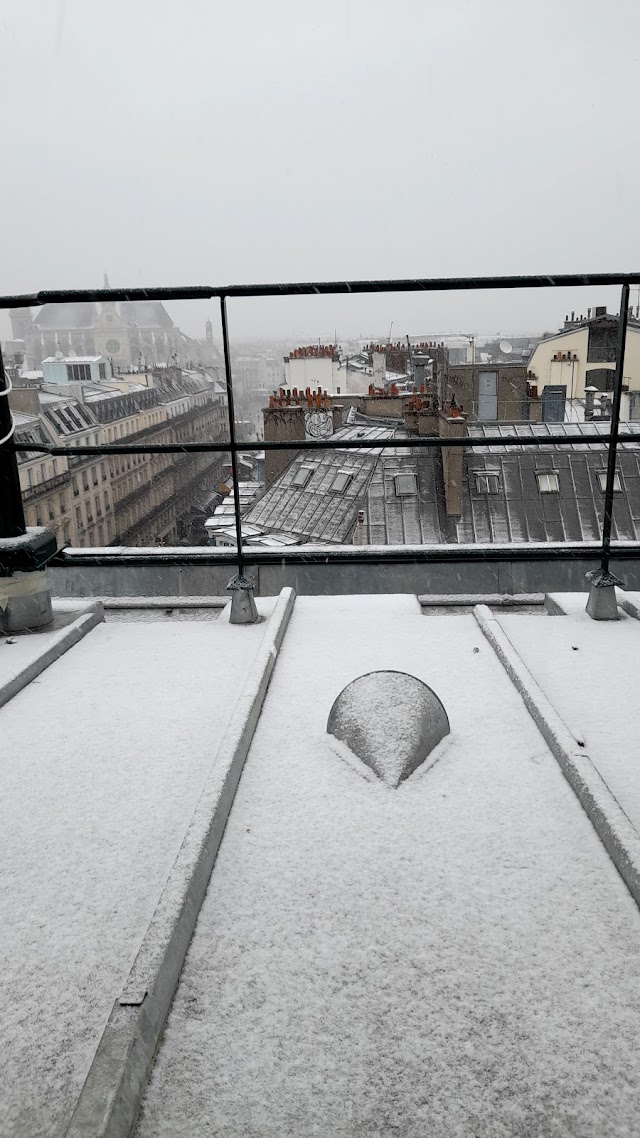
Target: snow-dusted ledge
[615, 830]
[25, 656]
[110, 1098]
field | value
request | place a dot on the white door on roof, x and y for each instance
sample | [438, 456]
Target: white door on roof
[488, 395]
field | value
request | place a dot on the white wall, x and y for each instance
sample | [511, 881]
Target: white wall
[575, 373]
[313, 372]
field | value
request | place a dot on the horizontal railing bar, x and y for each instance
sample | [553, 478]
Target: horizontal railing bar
[341, 555]
[316, 288]
[344, 444]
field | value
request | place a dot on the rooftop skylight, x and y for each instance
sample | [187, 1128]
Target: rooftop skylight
[301, 477]
[548, 482]
[341, 481]
[406, 485]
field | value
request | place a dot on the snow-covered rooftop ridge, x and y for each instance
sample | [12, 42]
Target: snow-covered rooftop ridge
[74, 359]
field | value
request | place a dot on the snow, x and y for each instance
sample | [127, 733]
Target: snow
[588, 671]
[19, 650]
[453, 957]
[103, 761]
[396, 743]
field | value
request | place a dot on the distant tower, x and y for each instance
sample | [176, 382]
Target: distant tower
[106, 281]
[209, 332]
[21, 322]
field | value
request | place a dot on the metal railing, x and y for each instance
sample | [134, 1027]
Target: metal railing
[12, 522]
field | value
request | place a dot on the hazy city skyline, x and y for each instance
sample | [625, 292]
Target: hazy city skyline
[201, 142]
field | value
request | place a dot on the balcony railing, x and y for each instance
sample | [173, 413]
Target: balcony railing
[46, 486]
[12, 515]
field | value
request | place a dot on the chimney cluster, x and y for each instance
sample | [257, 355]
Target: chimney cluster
[380, 393]
[311, 399]
[314, 352]
[604, 400]
[400, 347]
[419, 400]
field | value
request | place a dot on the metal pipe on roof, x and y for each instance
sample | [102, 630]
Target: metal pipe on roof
[422, 284]
[232, 432]
[417, 441]
[615, 428]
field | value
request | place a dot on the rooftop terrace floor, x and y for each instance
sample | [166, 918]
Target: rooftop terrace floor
[458, 956]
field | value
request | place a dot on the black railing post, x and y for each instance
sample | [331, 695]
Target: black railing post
[615, 425]
[232, 432]
[12, 523]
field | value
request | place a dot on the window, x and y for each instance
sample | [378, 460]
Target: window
[94, 475]
[106, 501]
[63, 505]
[100, 535]
[78, 373]
[41, 473]
[341, 481]
[51, 510]
[38, 516]
[66, 535]
[102, 369]
[487, 481]
[602, 478]
[76, 488]
[406, 485]
[98, 507]
[634, 406]
[302, 476]
[85, 480]
[55, 467]
[548, 483]
[30, 477]
[78, 517]
[103, 471]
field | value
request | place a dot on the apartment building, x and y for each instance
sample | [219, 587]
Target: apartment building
[71, 496]
[121, 498]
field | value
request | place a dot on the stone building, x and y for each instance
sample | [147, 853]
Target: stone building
[134, 499]
[494, 392]
[127, 333]
[583, 354]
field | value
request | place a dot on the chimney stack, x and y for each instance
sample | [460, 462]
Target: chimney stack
[452, 426]
[282, 423]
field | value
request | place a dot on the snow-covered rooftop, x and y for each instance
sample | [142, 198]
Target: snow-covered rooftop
[457, 955]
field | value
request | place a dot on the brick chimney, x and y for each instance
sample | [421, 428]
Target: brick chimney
[281, 424]
[26, 400]
[452, 426]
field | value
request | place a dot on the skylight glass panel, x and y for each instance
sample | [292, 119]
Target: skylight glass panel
[341, 481]
[406, 485]
[548, 483]
[301, 477]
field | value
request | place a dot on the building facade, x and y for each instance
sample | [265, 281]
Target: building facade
[135, 499]
[493, 392]
[129, 334]
[583, 354]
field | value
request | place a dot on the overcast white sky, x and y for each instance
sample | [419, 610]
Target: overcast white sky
[226, 141]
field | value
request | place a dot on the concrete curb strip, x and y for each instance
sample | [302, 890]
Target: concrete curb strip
[628, 604]
[110, 1099]
[617, 834]
[59, 643]
[164, 602]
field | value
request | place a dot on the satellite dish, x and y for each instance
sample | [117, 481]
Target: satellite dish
[505, 347]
